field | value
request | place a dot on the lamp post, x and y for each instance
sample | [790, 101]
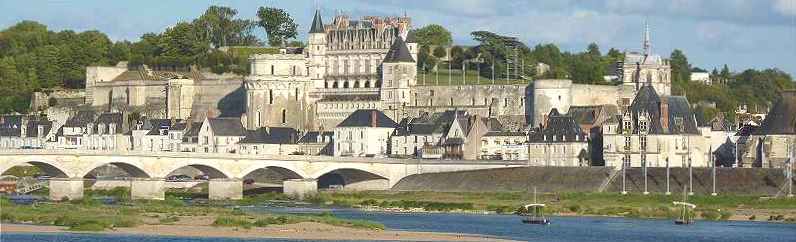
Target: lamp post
[667, 177]
[713, 164]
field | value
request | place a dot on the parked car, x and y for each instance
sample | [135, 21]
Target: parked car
[178, 178]
[201, 177]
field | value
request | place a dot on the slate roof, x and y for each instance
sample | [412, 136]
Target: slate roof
[312, 136]
[81, 119]
[364, 118]
[426, 124]
[591, 115]
[317, 23]
[562, 127]
[154, 125]
[781, 119]
[193, 131]
[398, 52]
[33, 127]
[272, 135]
[647, 100]
[226, 126]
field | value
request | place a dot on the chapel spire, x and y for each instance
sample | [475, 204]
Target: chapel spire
[647, 42]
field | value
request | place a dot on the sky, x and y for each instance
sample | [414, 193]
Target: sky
[741, 33]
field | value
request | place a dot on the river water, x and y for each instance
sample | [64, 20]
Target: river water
[563, 229]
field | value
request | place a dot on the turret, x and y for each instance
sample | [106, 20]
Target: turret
[316, 50]
[399, 72]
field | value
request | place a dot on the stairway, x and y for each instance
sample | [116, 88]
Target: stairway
[608, 180]
[25, 189]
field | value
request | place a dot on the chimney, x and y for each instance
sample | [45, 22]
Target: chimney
[373, 116]
[665, 113]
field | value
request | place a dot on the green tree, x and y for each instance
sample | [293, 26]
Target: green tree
[219, 26]
[681, 71]
[432, 35]
[278, 24]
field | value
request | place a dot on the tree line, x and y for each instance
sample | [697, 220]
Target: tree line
[729, 89]
[34, 58]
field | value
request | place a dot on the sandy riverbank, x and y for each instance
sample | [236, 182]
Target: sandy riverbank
[303, 231]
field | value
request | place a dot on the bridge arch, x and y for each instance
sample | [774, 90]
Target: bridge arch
[132, 169]
[211, 171]
[352, 179]
[284, 170]
[49, 167]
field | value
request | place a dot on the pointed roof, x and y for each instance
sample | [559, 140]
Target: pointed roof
[317, 23]
[782, 117]
[398, 52]
[368, 118]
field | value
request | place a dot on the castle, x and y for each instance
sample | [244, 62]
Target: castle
[359, 64]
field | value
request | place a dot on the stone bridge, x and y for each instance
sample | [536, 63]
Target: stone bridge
[69, 168]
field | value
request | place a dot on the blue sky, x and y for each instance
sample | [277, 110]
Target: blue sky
[741, 33]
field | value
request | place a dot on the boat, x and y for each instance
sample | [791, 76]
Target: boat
[686, 217]
[534, 212]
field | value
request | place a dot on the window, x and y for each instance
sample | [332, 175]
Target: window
[272, 69]
[284, 116]
[270, 96]
[297, 94]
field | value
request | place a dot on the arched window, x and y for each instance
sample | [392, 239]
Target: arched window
[335, 85]
[367, 84]
[345, 84]
[378, 83]
[325, 85]
[451, 101]
[356, 84]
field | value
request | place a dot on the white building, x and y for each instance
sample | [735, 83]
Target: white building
[220, 135]
[504, 145]
[20, 131]
[656, 131]
[559, 142]
[701, 77]
[269, 141]
[365, 132]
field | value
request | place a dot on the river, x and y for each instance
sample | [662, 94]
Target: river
[562, 229]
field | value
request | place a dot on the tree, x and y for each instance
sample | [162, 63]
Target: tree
[432, 35]
[278, 24]
[457, 57]
[593, 50]
[220, 28]
[440, 52]
[681, 71]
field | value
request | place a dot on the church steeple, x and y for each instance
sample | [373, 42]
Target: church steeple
[317, 23]
[647, 43]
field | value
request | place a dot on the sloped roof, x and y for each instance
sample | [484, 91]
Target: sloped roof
[272, 135]
[226, 126]
[312, 136]
[679, 110]
[33, 127]
[81, 119]
[317, 23]
[781, 119]
[350, 98]
[143, 75]
[364, 118]
[436, 123]
[398, 52]
[563, 127]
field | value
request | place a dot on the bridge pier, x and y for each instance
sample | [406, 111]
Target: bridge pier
[225, 189]
[66, 188]
[147, 189]
[300, 187]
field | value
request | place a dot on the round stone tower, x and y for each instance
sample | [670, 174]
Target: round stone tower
[276, 92]
[550, 94]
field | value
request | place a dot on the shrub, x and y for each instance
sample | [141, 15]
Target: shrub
[710, 215]
[232, 222]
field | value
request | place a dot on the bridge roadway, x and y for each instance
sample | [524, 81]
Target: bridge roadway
[226, 171]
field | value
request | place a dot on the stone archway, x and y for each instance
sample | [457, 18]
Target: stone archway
[352, 179]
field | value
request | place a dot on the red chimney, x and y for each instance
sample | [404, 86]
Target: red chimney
[665, 113]
[373, 117]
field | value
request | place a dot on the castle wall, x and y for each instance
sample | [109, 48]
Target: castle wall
[583, 95]
[561, 94]
[484, 100]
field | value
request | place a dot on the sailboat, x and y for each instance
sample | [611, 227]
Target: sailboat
[685, 216]
[534, 212]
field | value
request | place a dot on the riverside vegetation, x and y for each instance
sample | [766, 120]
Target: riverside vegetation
[90, 214]
[722, 207]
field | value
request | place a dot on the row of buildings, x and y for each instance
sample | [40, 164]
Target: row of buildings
[353, 91]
